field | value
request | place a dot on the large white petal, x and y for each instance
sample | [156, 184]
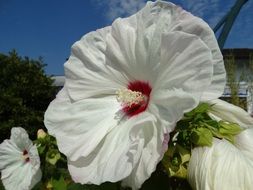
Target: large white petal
[13, 176]
[134, 43]
[244, 141]
[10, 154]
[186, 22]
[170, 105]
[20, 176]
[116, 156]
[222, 110]
[120, 49]
[222, 166]
[80, 126]
[20, 138]
[152, 137]
[86, 72]
[186, 63]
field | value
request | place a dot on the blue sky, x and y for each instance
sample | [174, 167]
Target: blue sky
[48, 28]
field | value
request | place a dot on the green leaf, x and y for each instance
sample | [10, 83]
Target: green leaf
[202, 137]
[202, 108]
[59, 184]
[170, 151]
[212, 123]
[175, 161]
[229, 128]
[53, 156]
[181, 172]
[230, 138]
[217, 134]
[41, 149]
[184, 153]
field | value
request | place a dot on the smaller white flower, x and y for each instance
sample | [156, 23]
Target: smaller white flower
[224, 165]
[19, 161]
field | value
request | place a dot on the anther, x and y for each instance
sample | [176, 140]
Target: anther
[128, 97]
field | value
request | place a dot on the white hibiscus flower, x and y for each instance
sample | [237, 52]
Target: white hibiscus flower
[126, 87]
[225, 165]
[19, 161]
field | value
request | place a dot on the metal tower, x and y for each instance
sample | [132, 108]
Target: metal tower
[227, 22]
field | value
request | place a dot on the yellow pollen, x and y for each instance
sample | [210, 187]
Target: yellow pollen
[129, 97]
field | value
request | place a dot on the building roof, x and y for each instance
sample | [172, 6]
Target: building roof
[238, 53]
[58, 80]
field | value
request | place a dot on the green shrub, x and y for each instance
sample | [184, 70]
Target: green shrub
[25, 92]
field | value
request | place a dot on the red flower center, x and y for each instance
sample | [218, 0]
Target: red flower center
[26, 156]
[135, 98]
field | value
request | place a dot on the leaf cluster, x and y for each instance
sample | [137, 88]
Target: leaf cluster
[195, 129]
[53, 164]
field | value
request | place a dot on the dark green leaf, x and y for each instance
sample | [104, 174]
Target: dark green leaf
[59, 184]
[202, 137]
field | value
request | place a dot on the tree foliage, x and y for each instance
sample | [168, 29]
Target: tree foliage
[25, 92]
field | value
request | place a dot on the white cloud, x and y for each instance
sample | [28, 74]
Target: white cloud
[120, 8]
[210, 10]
